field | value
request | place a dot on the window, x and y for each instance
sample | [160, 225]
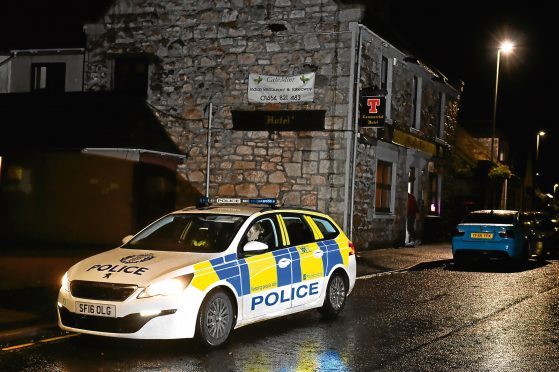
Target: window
[199, 233]
[416, 103]
[326, 228]
[439, 125]
[131, 76]
[383, 195]
[434, 195]
[386, 83]
[263, 231]
[299, 232]
[384, 74]
[48, 77]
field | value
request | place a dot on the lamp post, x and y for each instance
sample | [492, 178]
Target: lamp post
[541, 133]
[505, 47]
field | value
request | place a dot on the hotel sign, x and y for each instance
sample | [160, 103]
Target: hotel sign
[372, 111]
[283, 120]
[281, 89]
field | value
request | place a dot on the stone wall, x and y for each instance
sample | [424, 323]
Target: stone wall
[203, 51]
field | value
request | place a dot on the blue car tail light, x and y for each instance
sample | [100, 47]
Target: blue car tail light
[507, 234]
[457, 232]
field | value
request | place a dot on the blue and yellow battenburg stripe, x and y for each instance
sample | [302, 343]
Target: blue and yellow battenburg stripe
[262, 272]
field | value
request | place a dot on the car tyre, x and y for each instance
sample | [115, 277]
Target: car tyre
[215, 319]
[335, 298]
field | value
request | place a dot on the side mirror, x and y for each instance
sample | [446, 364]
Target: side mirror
[127, 238]
[255, 247]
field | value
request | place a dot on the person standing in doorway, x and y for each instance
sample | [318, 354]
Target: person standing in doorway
[412, 216]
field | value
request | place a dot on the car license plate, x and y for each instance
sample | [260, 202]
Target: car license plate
[96, 309]
[482, 235]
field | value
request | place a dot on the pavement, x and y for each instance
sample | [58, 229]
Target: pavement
[30, 280]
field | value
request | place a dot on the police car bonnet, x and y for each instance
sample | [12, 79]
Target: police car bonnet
[134, 266]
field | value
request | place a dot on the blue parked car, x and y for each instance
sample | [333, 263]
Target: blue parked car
[495, 234]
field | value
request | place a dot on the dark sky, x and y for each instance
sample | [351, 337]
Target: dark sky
[457, 37]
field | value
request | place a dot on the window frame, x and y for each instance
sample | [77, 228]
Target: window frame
[416, 103]
[441, 116]
[388, 153]
[336, 230]
[243, 241]
[284, 216]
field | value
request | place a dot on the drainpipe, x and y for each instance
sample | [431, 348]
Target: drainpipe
[355, 131]
[351, 142]
[209, 148]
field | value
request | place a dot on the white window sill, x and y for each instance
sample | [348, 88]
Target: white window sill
[384, 216]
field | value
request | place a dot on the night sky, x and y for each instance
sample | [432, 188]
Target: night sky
[459, 38]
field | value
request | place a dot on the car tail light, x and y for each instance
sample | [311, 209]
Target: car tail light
[351, 248]
[457, 232]
[507, 234]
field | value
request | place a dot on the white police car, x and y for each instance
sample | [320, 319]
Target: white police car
[204, 271]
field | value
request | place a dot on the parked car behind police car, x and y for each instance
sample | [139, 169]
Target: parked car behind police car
[494, 234]
[205, 271]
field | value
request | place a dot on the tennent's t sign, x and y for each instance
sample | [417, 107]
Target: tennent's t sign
[372, 111]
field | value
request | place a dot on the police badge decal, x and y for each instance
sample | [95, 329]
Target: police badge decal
[137, 258]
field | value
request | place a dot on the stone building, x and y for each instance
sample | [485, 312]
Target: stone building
[183, 55]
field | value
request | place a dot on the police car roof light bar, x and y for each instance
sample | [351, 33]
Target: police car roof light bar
[205, 201]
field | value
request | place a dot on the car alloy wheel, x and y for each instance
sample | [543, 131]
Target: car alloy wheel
[215, 319]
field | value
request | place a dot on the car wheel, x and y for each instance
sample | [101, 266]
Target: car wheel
[215, 319]
[336, 294]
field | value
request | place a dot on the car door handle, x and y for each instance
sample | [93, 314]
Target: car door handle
[284, 262]
[318, 253]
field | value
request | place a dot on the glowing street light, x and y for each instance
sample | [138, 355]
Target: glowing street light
[541, 133]
[505, 47]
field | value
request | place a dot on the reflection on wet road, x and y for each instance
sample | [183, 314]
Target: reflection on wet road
[480, 318]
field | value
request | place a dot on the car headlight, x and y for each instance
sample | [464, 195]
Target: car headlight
[65, 282]
[167, 287]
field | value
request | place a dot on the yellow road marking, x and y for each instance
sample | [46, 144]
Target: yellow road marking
[11, 348]
[17, 346]
[59, 337]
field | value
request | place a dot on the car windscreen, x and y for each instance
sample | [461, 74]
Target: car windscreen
[490, 218]
[199, 233]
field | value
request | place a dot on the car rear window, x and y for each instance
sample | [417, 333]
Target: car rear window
[326, 228]
[490, 218]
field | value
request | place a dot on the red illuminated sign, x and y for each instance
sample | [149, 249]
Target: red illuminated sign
[372, 111]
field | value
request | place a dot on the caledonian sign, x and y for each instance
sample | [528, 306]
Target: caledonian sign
[408, 140]
[372, 111]
[281, 89]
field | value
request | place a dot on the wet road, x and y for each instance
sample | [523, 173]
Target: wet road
[439, 319]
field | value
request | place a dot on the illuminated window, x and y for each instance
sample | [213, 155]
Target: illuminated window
[383, 194]
[434, 194]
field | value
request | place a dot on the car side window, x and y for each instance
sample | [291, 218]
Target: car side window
[264, 231]
[326, 227]
[299, 232]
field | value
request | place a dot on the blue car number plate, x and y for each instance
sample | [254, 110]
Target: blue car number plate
[482, 235]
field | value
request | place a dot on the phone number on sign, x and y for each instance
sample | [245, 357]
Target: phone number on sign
[281, 98]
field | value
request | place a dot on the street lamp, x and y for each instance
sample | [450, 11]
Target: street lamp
[505, 47]
[541, 133]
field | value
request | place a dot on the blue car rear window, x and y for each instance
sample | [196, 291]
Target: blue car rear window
[490, 218]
